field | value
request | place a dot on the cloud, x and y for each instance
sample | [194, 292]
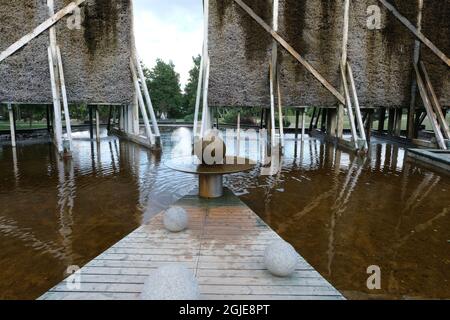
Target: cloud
[170, 30]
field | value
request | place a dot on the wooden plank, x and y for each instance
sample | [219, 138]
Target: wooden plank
[291, 50]
[39, 29]
[435, 103]
[416, 32]
[430, 111]
[228, 265]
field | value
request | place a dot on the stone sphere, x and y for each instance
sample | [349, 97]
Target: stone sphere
[171, 282]
[215, 145]
[175, 219]
[280, 258]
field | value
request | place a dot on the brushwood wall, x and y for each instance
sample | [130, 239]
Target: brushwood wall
[382, 58]
[95, 53]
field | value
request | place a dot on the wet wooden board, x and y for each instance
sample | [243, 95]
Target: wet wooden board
[224, 247]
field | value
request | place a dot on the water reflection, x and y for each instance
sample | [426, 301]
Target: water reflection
[342, 212]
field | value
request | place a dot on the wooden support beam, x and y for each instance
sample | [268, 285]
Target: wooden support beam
[150, 137]
[435, 103]
[416, 32]
[297, 119]
[349, 106]
[356, 103]
[369, 124]
[206, 123]
[280, 113]
[64, 97]
[57, 125]
[311, 124]
[391, 121]
[416, 57]
[147, 97]
[97, 124]
[381, 119]
[291, 50]
[12, 125]
[303, 124]
[109, 118]
[39, 29]
[91, 120]
[272, 105]
[398, 122]
[430, 111]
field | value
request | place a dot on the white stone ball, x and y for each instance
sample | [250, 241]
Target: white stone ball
[280, 258]
[171, 282]
[176, 219]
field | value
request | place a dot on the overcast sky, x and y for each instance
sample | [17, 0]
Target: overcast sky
[170, 30]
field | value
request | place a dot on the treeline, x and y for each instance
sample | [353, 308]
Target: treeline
[169, 100]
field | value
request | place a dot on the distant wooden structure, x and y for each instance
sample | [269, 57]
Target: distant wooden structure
[224, 246]
[323, 54]
[95, 63]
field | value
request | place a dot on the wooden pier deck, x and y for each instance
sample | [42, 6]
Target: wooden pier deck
[224, 246]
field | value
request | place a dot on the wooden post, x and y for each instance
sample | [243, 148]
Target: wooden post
[238, 134]
[391, 121]
[297, 119]
[356, 103]
[381, 120]
[349, 107]
[97, 124]
[435, 103]
[261, 126]
[54, 77]
[109, 118]
[323, 121]
[141, 103]
[206, 120]
[48, 118]
[12, 125]
[398, 122]
[429, 109]
[272, 105]
[91, 127]
[331, 122]
[147, 98]
[369, 124]
[280, 113]
[316, 122]
[311, 124]
[416, 57]
[64, 97]
[303, 124]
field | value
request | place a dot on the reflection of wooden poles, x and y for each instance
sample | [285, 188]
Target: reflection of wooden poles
[429, 109]
[291, 50]
[39, 29]
[416, 32]
[12, 125]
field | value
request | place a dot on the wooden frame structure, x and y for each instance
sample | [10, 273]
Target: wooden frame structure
[59, 94]
[348, 97]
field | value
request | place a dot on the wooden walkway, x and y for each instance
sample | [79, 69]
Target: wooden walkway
[224, 246]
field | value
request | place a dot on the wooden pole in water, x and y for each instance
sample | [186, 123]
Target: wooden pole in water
[97, 124]
[357, 108]
[349, 107]
[435, 103]
[297, 119]
[381, 120]
[206, 115]
[64, 97]
[303, 124]
[48, 118]
[238, 134]
[12, 125]
[109, 118]
[91, 128]
[272, 106]
[430, 111]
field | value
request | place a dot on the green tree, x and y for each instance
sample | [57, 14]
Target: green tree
[190, 91]
[164, 85]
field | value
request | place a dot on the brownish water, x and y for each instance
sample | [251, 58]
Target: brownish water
[342, 213]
